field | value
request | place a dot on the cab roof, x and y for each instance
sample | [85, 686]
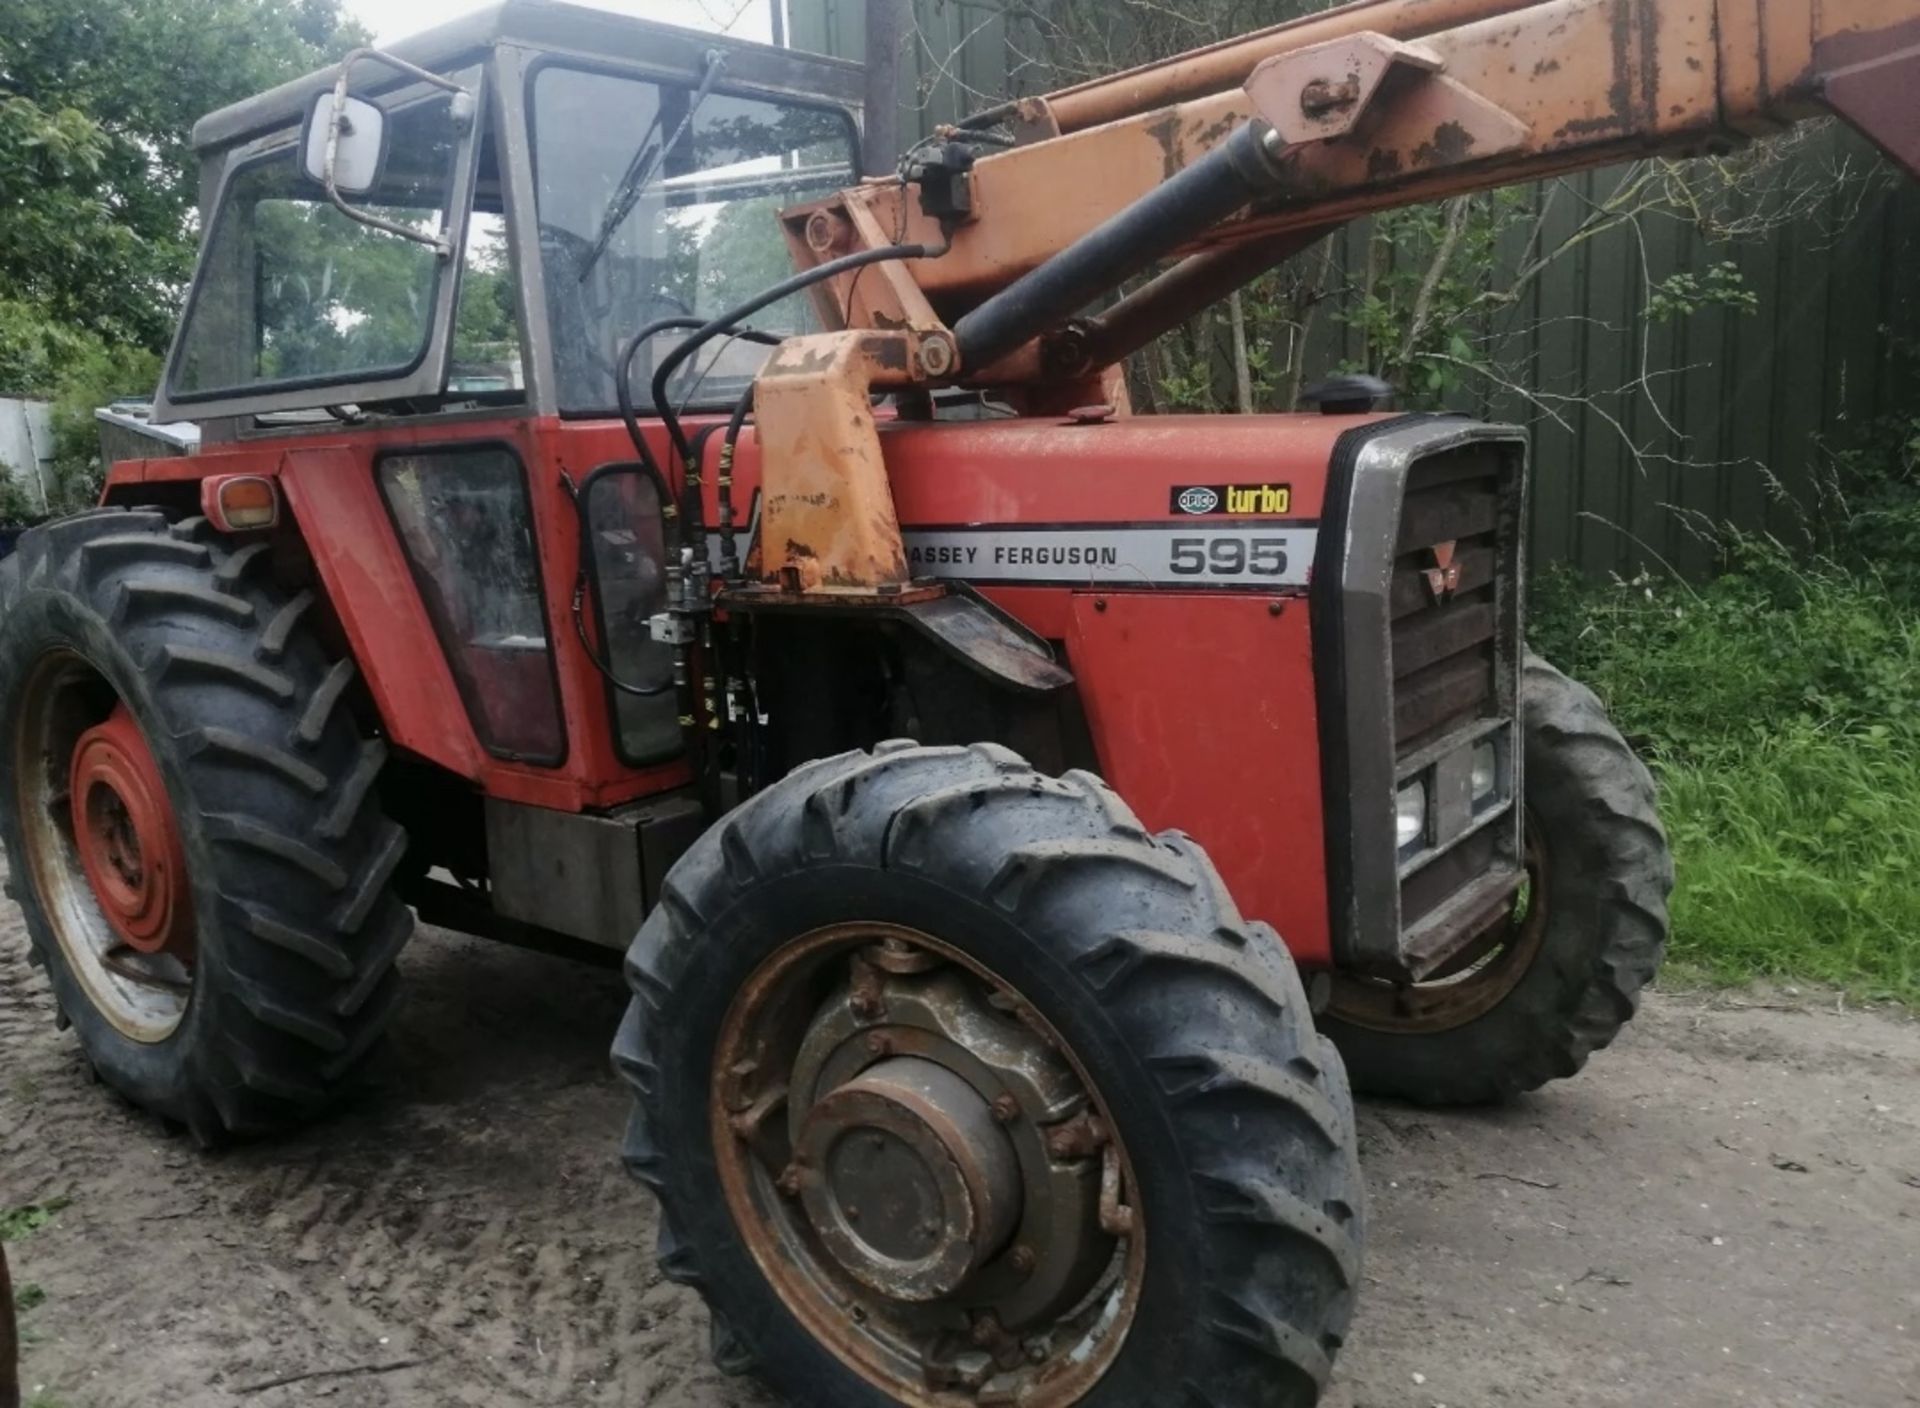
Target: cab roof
[548, 26]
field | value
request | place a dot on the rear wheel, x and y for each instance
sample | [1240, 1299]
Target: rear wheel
[1559, 980]
[956, 1087]
[190, 822]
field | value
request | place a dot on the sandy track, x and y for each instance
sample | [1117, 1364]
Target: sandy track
[1725, 1210]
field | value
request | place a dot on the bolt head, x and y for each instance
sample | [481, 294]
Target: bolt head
[936, 356]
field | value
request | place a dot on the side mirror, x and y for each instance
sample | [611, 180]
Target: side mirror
[356, 155]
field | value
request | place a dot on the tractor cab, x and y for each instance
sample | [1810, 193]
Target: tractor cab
[477, 223]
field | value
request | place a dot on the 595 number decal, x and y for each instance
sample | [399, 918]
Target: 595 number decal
[1229, 557]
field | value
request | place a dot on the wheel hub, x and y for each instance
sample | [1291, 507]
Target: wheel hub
[924, 1171]
[127, 839]
[913, 1184]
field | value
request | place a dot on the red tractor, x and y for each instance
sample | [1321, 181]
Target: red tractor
[559, 564]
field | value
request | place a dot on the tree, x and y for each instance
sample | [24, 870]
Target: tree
[97, 103]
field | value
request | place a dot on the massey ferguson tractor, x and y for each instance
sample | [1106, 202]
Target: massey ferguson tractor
[615, 515]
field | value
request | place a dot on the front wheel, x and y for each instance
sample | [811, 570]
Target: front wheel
[956, 1087]
[1564, 976]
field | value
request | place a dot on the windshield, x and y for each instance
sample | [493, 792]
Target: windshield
[701, 238]
[291, 292]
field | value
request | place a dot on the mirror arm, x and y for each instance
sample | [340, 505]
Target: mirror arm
[463, 111]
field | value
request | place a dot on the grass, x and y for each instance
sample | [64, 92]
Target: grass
[29, 1297]
[17, 1224]
[1799, 862]
[1780, 709]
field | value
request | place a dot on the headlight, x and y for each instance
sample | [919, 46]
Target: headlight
[1410, 823]
[1486, 773]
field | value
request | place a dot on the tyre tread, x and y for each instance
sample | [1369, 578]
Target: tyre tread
[282, 787]
[1242, 1064]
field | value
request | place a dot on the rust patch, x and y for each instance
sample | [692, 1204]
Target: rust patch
[1212, 134]
[1649, 101]
[887, 353]
[1451, 144]
[1384, 164]
[1620, 95]
[798, 362]
[1166, 135]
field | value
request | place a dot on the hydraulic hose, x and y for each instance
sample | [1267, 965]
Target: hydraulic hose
[673, 540]
[726, 322]
[729, 450]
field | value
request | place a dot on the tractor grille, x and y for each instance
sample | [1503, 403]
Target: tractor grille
[1417, 640]
[1445, 645]
[1454, 655]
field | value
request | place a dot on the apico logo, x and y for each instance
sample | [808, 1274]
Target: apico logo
[1234, 500]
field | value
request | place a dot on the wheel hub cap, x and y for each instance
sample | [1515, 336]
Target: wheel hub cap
[128, 842]
[913, 1184]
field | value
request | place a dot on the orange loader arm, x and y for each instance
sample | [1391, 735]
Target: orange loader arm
[1228, 160]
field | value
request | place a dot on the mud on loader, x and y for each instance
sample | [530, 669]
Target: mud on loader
[562, 564]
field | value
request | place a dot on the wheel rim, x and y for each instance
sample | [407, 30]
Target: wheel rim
[129, 844]
[104, 849]
[924, 1172]
[1471, 985]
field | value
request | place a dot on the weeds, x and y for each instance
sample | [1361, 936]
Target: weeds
[29, 1297]
[17, 1224]
[1780, 707]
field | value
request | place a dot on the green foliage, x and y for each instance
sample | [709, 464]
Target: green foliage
[98, 377]
[17, 1224]
[1780, 707]
[485, 327]
[1432, 270]
[1683, 294]
[15, 505]
[35, 349]
[1798, 859]
[97, 231]
[1769, 646]
[29, 1297]
[94, 138]
[1873, 488]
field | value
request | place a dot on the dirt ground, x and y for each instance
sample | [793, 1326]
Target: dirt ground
[1724, 1210]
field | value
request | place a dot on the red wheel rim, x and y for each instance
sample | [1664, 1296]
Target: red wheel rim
[128, 840]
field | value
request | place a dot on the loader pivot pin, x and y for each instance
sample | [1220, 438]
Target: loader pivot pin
[128, 842]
